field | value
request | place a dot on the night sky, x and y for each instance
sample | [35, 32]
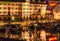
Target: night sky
[25, 0]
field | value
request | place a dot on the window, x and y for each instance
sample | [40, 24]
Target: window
[27, 5]
[23, 8]
[12, 4]
[12, 8]
[4, 12]
[20, 12]
[8, 8]
[30, 12]
[23, 12]
[20, 4]
[24, 5]
[4, 8]
[36, 5]
[30, 8]
[20, 8]
[8, 4]
[12, 13]
[16, 8]
[30, 5]
[35, 8]
[27, 12]
[27, 9]
[0, 8]
[0, 12]
[16, 12]
[0, 4]
[17, 4]
[4, 4]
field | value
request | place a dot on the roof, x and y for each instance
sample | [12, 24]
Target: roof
[38, 3]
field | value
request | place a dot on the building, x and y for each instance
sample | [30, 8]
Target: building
[56, 12]
[27, 8]
[10, 8]
[31, 7]
[38, 7]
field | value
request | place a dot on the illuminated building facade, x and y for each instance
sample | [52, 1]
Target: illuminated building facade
[13, 7]
[10, 8]
[56, 11]
[38, 7]
[23, 8]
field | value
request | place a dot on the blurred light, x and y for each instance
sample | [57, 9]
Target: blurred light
[53, 38]
[52, 4]
[13, 18]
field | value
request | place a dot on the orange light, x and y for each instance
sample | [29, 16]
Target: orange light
[52, 4]
[53, 38]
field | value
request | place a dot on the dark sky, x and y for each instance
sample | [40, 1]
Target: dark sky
[14, 0]
[54, 0]
[24, 0]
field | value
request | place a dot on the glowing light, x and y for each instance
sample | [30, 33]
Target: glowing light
[13, 18]
[53, 38]
[52, 4]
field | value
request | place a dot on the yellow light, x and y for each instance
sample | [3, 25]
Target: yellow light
[13, 18]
